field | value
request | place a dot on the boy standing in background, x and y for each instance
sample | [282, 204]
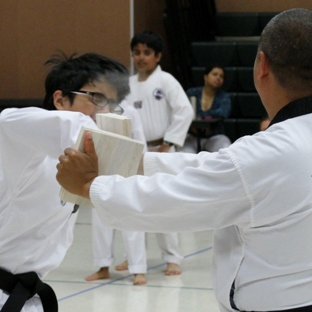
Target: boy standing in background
[166, 115]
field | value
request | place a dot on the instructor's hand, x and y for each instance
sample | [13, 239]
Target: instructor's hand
[76, 170]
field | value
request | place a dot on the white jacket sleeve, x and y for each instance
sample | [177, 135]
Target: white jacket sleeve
[37, 128]
[198, 193]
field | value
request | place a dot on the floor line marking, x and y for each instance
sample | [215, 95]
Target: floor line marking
[127, 276]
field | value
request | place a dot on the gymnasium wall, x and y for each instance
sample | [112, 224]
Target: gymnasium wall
[31, 31]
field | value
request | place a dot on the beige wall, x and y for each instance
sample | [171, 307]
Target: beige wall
[260, 5]
[148, 16]
[31, 31]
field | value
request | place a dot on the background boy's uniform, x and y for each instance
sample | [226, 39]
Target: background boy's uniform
[103, 237]
[166, 113]
[136, 123]
[34, 236]
[163, 106]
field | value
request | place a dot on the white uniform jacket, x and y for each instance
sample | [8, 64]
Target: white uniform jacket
[257, 194]
[164, 108]
[35, 227]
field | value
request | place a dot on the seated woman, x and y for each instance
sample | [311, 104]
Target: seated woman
[211, 102]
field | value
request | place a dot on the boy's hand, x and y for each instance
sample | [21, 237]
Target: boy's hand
[76, 170]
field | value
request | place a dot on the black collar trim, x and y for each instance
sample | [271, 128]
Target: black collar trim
[293, 109]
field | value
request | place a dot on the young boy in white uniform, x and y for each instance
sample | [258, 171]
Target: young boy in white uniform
[36, 227]
[103, 237]
[166, 115]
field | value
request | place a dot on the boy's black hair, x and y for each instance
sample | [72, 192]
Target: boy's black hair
[151, 39]
[73, 72]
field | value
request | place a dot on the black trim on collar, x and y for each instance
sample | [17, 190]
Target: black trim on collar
[293, 109]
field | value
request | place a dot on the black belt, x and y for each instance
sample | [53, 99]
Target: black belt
[22, 287]
[155, 142]
[299, 309]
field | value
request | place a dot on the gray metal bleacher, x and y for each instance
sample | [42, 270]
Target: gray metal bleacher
[237, 24]
[236, 79]
[234, 48]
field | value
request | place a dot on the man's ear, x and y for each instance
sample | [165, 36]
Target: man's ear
[59, 100]
[264, 66]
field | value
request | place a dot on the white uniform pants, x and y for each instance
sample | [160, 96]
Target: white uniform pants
[103, 246]
[212, 144]
[169, 246]
[168, 242]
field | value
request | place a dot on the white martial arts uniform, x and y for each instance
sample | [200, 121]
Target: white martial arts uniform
[256, 194]
[166, 113]
[36, 228]
[164, 108]
[103, 236]
[136, 123]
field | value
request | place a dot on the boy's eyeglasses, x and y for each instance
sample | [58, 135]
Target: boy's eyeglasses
[100, 100]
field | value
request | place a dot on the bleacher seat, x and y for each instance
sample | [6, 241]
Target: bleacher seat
[240, 53]
[231, 82]
[250, 105]
[230, 129]
[247, 111]
[197, 76]
[235, 111]
[247, 126]
[245, 79]
[265, 17]
[246, 52]
[230, 123]
[222, 53]
[19, 103]
[238, 34]
[237, 24]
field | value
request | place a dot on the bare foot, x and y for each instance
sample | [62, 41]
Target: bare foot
[139, 279]
[173, 269]
[122, 266]
[102, 273]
